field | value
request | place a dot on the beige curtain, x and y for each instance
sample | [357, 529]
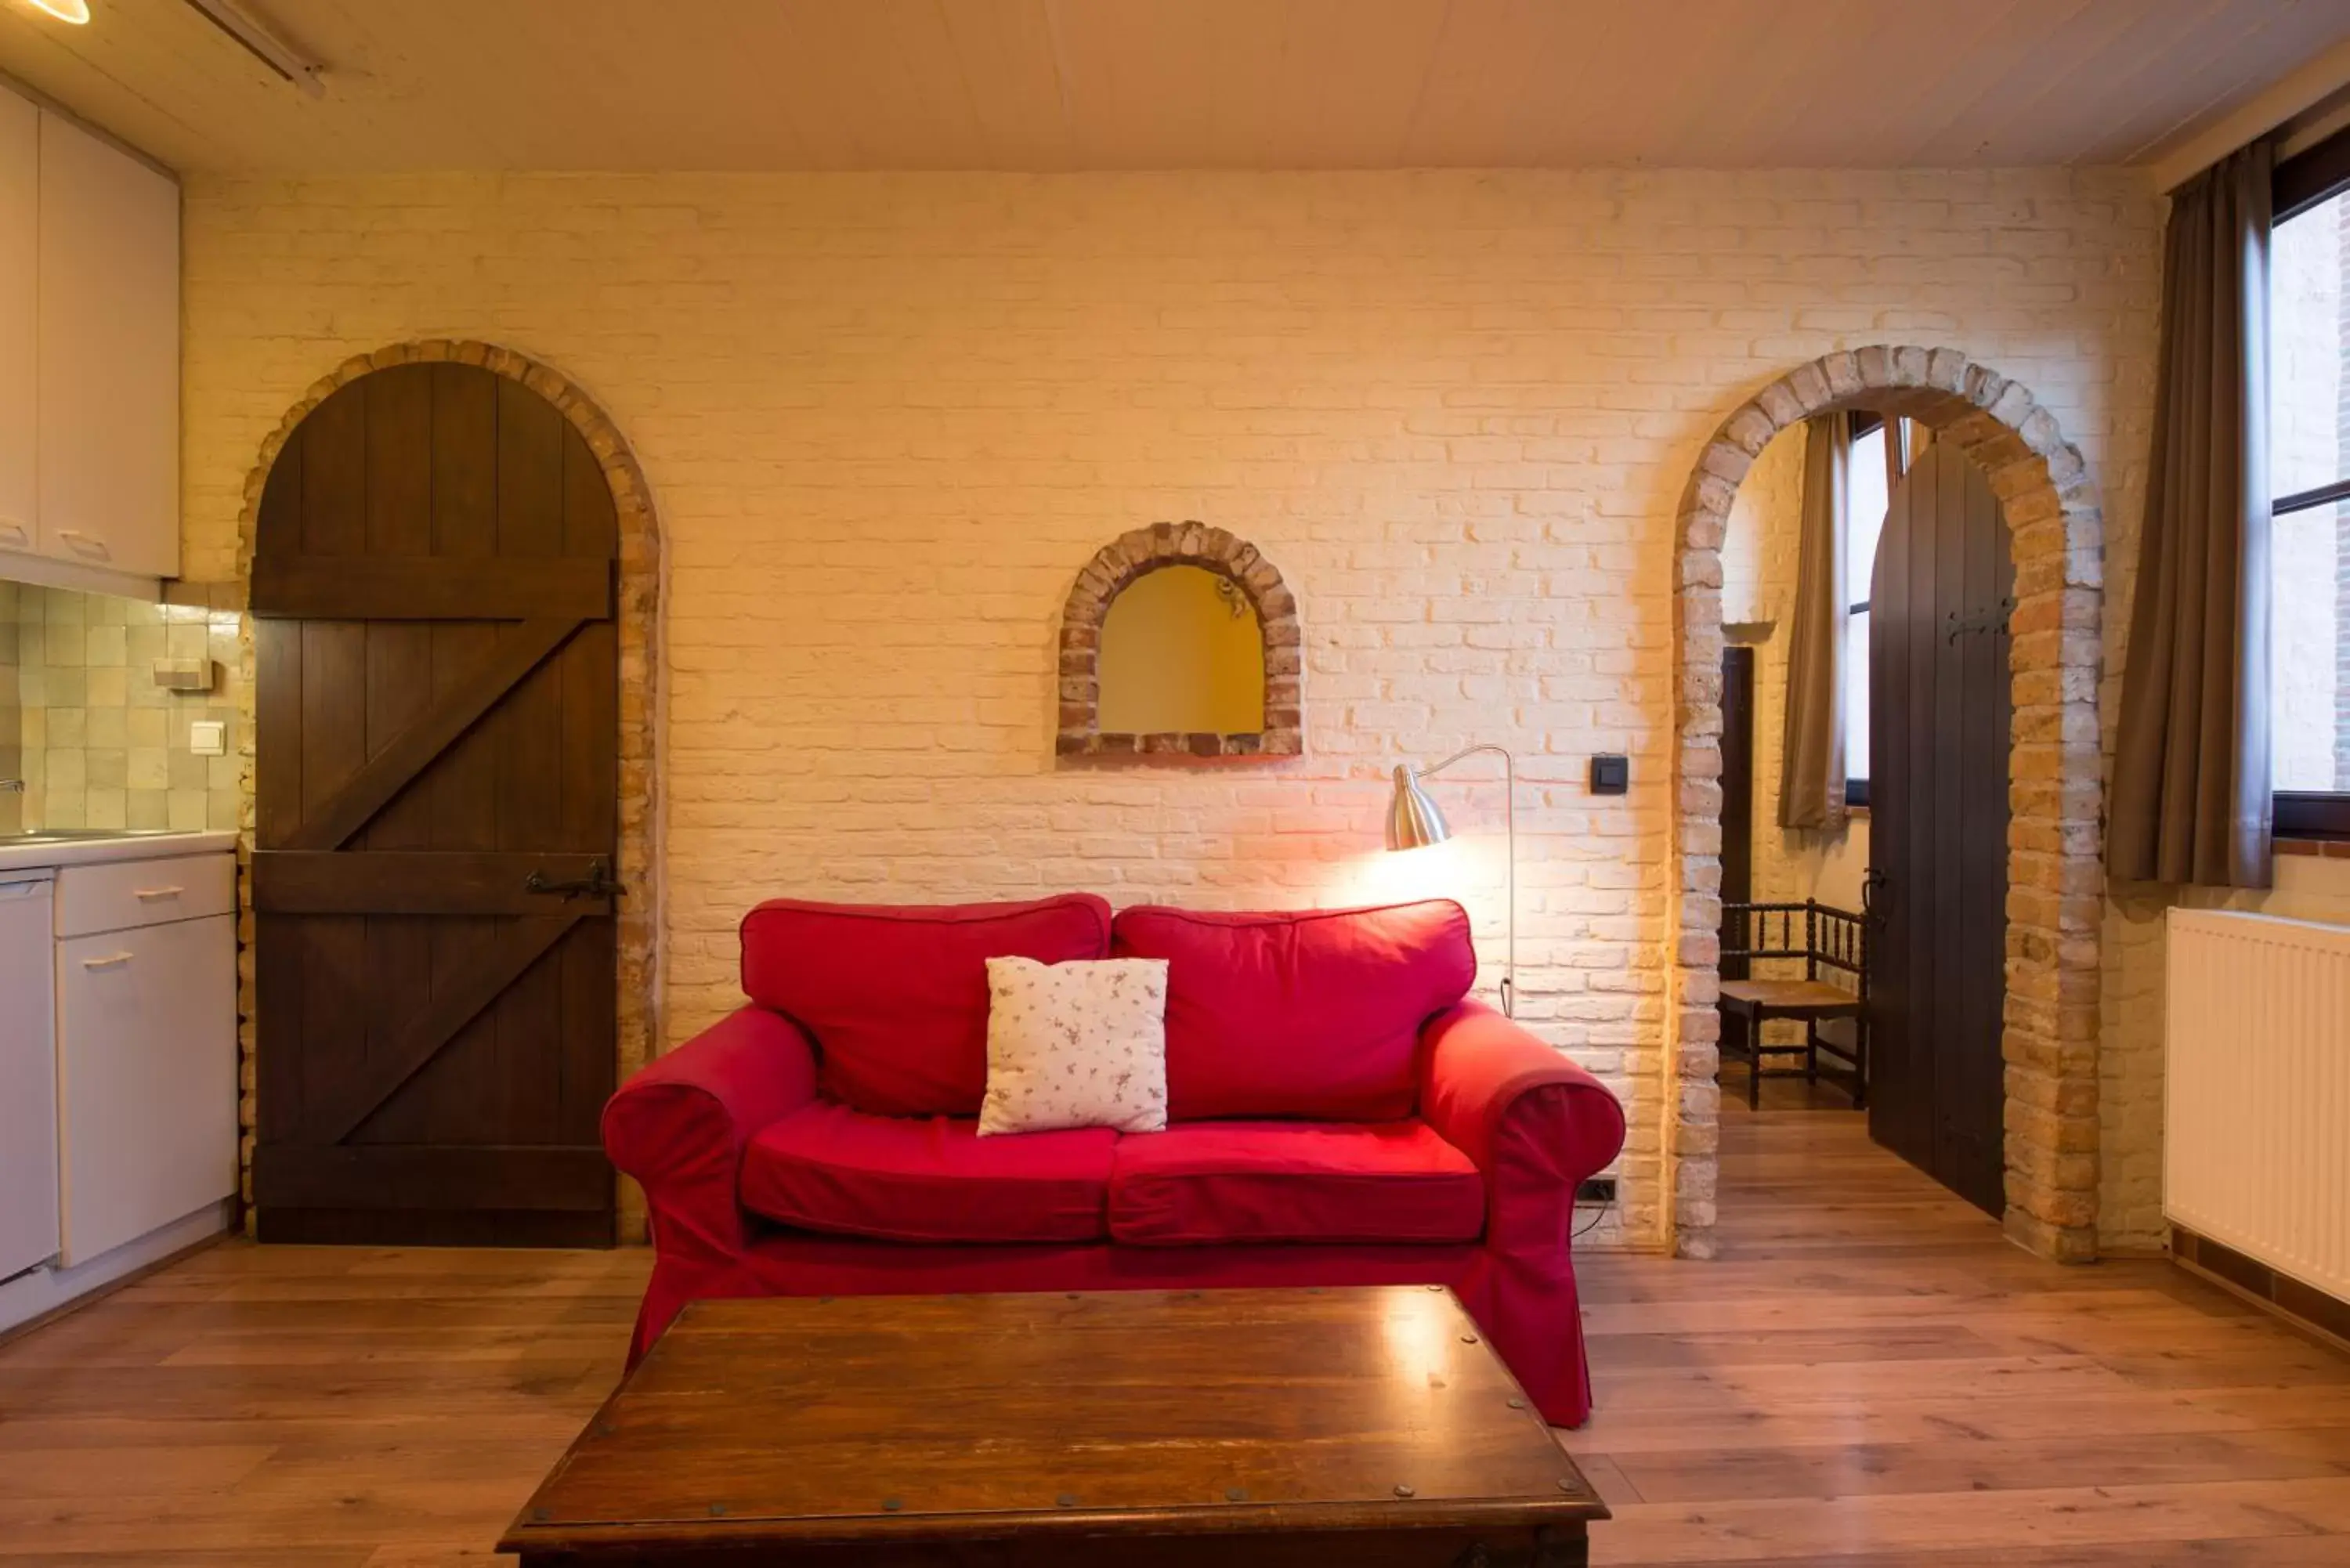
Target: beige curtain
[2192, 763]
[1812, 770]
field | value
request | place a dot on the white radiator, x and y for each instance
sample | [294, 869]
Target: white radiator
[2256, 1090]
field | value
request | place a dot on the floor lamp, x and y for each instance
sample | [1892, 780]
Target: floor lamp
[1413, 821]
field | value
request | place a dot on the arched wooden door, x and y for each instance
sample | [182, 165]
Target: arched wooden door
[437, 775]
[1939, 701]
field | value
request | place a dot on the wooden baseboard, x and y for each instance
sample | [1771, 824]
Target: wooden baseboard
[2304, 1306]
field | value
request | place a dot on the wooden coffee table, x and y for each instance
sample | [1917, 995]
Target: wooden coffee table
[1371, 1427]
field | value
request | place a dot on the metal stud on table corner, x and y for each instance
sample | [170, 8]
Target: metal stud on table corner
[1236, 1494]
[1468, 1339]
[1517, 1404]
[1568, 1483]
[892, 1504]
[1066, 1500]
[540, 1516]
[717, 1511]
[1403, 1489]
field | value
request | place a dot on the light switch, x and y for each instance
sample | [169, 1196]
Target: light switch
[208, 738]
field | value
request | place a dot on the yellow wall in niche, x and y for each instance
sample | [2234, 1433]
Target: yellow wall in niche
[1176, 657]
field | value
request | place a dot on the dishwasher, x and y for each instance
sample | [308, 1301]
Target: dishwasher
[28, 1075]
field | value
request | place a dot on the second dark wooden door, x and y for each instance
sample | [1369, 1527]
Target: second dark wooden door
[436, 788]
[1737, 800]
[1939, 700]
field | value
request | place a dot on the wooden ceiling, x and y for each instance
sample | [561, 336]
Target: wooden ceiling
[417, 85]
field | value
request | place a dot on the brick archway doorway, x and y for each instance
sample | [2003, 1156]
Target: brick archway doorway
[636, 619]
[2054, 873]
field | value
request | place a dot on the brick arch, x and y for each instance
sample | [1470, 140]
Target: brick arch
[2055, 774]
[638, 607]
[1135, 553]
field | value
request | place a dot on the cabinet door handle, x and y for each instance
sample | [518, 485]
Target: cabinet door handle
[112, 960]
[87, 545]
[148, 895]
[16, 536]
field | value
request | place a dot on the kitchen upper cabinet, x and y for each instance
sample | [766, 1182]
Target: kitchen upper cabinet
[106, 396]
[20, 230]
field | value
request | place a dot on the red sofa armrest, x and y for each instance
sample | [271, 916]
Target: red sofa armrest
[680, 1125]
[1533, 1122]
[1536, 1125]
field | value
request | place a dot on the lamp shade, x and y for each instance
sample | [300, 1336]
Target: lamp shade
[1413, 819]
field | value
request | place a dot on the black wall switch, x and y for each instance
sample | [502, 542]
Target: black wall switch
[1610, 775]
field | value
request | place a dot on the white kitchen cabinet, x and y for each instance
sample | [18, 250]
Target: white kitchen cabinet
[146, 1077]
[20, 231]
[107, 390]
[28, 1096]
[118, 1059]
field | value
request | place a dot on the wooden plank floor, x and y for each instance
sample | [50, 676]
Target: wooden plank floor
[1870, 1376]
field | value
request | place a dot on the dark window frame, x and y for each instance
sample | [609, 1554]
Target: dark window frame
[2298, 183]
[1862, 422]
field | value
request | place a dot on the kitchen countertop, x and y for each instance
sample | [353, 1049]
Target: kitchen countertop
[31, 852]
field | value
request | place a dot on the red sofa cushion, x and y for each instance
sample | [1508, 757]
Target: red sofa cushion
[895, 998]
[1312, 1013]
[1210, 1182]
[905, 1178]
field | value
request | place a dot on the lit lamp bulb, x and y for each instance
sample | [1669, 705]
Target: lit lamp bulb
[74, 11]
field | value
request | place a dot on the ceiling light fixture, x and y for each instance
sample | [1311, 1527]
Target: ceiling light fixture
[259, 42]
[74, 11]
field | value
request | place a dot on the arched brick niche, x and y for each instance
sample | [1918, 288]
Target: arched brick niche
[638, 606]
[2056, 879]
[1143, 550]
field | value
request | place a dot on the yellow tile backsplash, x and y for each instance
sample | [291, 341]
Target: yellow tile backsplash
[97, 744]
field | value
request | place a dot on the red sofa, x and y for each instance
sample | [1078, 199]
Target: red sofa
[1337, 1115]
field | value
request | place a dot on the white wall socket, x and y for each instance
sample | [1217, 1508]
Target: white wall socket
[208, 738]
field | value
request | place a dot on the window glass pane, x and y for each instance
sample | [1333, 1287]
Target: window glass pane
[2309, 741]
[2307, 416]
[1865, 518]
[1855, 695]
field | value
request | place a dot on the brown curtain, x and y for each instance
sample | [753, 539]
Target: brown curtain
[1811, 769]
[2191, 763]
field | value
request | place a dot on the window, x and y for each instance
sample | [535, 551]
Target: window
[2309, 477]
[1868, 484]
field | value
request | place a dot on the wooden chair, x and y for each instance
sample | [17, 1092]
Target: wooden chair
[1833, 939]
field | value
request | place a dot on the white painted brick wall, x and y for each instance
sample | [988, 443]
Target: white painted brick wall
[885, 419]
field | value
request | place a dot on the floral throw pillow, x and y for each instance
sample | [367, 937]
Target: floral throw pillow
[1076, 1045]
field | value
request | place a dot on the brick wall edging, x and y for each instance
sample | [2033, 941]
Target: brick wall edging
[2055, 776]
[1115, 566]
[639, 610]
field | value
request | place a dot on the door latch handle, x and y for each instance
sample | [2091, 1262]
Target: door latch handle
[597, 884]
[1871, 881]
